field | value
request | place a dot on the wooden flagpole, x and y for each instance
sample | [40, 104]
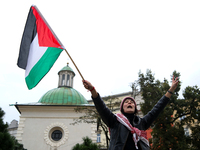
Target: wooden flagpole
[74, 64]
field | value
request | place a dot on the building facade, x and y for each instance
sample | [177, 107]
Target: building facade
[12, 128]
[47, 123]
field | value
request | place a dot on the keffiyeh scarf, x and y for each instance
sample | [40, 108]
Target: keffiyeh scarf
[137, 134]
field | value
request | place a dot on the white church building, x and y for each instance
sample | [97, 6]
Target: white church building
[46, 124]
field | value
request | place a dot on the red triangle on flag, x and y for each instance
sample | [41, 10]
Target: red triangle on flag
[46, 36]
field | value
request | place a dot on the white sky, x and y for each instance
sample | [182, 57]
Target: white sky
[109, 40]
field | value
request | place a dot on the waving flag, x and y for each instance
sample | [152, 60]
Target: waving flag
[39, 48]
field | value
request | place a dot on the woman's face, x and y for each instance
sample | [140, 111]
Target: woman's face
[129, 106]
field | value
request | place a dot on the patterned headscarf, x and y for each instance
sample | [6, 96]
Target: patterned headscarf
[122, 103]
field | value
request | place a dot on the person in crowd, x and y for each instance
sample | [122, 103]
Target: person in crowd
[127, 129]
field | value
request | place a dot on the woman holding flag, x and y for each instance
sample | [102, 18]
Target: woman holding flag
[127, 130]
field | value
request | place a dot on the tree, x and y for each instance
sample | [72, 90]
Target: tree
[134, 88]
[17, 145]
[86, 145]
[192, 114]
[7, 142]
[168, 129]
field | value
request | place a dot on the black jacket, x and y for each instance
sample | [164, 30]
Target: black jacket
[119, 133]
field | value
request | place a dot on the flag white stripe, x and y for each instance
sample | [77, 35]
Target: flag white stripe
[35, 53]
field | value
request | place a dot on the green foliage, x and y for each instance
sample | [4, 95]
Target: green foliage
[195, 137]
[17, 145]
[7, 142]
[168, 129]
[86, 145]
[192, 96]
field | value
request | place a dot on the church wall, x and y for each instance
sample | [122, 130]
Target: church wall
[37, 123]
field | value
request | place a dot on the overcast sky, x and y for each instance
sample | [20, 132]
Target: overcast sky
[109, 40]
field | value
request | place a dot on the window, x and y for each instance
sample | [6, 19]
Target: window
[68, 80]
[71, 81]
[56, 135]
[63, 80]
[98, 138]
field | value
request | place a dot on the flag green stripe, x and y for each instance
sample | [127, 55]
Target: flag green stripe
[42, 67]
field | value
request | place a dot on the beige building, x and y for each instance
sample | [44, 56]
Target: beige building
[46, 124]
[12, 128]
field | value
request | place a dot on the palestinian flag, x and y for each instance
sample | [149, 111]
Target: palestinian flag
[39, 48]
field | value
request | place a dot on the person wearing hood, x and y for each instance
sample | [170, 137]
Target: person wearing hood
[127, 130]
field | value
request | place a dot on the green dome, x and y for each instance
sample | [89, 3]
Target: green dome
[63, 96]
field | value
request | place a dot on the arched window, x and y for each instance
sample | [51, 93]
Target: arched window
[71, 81]
[68, 81]
[63, 80]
